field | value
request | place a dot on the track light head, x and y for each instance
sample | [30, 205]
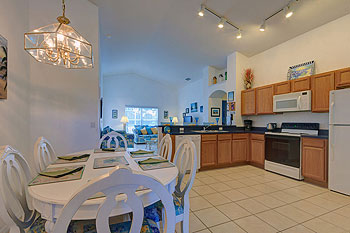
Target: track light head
[263, 26]
[221, 23]
[239, 34]
[288, 11]
[201, 11]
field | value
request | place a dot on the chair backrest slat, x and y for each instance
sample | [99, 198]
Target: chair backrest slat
[113, 136]
[165, 147]
[120, 180]
[44, 154]
[14, 178]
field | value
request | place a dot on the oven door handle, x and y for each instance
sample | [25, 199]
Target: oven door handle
[298, 103]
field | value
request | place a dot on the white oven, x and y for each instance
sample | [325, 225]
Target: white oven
[292, 102]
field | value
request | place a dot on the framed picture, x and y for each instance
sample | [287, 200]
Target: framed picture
[114, 114]
[201, 108]
[3, 68]
[187, 110]
[215, 112]
[232, 106]
[194, 107]
[231, 96]
[166, 114]
[301, 70]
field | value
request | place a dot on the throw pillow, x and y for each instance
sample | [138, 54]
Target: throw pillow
[154, 130]
[149, 131]
[144, 131]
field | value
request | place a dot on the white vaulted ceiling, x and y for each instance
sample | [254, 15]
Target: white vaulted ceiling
[167, 41]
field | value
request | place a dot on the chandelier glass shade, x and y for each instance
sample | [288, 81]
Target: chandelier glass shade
[59, 44]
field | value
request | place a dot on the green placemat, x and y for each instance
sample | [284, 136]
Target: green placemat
[109, 162]
[155, 163]
[58, 174]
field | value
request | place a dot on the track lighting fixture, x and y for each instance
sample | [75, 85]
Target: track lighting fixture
[288, 12]
[263, 26]
[239, 34]
[222, 22]
[201, 12]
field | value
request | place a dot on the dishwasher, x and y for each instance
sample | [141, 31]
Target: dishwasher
[196, 139]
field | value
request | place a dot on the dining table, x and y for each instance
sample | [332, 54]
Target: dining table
[49, 199]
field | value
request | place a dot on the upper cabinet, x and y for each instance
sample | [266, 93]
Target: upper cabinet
[248, 102]
[301, 84]
[321, 85]
[342, 78]
[264, 99]
[282, 88]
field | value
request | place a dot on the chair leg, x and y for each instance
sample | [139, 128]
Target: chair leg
[185, 224]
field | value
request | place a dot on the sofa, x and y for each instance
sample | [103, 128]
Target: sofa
[142, 133]
[128, 137]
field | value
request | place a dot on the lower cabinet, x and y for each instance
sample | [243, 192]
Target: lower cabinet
[257, 149]
[224, 149]
[209, 151]
[315, 159]
[240, 148]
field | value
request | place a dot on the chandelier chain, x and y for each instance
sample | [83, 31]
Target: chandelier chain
[63, 8]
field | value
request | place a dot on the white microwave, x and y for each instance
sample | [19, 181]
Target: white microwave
[292, 102]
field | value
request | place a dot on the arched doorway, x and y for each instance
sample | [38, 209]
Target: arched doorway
[217, 102]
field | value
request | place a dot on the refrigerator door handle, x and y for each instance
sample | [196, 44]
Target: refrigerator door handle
[331, 109]
[331, 142]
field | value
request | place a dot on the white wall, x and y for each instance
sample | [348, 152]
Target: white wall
[64, 103]
[135, 90]
[327, 45]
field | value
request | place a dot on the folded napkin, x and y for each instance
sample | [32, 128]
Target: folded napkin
[73, 157]
[152, 161]
[141, 152]
[60, 173]
[108, 149]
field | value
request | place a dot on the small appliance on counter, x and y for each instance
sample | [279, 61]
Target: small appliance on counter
[271, 126]
[248, 125]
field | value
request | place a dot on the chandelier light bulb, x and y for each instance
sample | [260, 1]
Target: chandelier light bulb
[263, 26]
[221, 23]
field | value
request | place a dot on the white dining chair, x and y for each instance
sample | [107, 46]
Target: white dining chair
[44, 154]
[165, 147]
[15, 175]
[113, 136]
[185, 160]
[120, 180]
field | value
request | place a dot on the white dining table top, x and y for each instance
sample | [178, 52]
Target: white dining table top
[60, 193]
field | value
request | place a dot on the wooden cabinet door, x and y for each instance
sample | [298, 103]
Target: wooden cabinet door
[264, 100]
[208, 153]
[321, 85]
[248, 102]
[314, 162]
[240, 150]
[342, 78]
[224, 152]
[257, 151]
[301, 84]
[282, 88]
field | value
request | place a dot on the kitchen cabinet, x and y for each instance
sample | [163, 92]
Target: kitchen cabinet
[264, 100]
[257, 149]
[208, 150]
[240, 148]
[300, 84]
[342, 78]
[224, 149]
[321, 85]
[248, 102]
[282, 88]
[315, 160]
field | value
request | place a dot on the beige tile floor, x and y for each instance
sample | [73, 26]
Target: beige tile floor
[248, 199]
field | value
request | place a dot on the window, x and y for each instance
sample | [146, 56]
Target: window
[141, 116]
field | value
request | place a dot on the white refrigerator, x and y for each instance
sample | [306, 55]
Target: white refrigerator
[339, 141]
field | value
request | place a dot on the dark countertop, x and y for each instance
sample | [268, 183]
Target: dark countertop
[323, 134]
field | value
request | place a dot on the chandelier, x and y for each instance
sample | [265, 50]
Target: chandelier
[59, 44]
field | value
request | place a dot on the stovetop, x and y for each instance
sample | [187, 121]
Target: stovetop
[297, 129]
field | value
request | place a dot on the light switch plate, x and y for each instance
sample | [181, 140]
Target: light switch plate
[220, 128]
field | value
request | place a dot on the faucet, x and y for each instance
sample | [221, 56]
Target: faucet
[206, 127]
